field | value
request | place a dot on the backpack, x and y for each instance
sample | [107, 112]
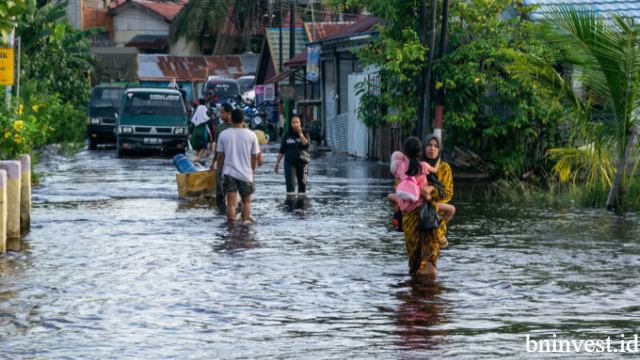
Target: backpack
[408, 189]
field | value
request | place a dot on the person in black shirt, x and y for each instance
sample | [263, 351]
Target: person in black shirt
[296, 159]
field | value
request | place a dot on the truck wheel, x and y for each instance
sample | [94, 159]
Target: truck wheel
[93, 143]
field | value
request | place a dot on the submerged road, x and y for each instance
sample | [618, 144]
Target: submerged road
[117, 266]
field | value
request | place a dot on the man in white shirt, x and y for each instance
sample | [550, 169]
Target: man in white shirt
[238, 151]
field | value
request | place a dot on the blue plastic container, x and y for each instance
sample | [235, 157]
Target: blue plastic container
[183, 164]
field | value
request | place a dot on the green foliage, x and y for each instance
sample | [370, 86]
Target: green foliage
[21, 128]
[510, 122]
[604, 53]
[8, 10]
[68, 78]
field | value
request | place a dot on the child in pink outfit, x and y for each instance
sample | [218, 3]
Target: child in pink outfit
[421, 180]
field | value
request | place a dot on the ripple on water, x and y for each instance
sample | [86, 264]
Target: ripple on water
[117, 266]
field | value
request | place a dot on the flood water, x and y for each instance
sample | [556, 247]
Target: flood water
[117, 266]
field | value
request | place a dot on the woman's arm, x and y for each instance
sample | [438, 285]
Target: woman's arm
[280, 155]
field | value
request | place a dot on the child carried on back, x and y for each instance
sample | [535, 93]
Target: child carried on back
[412, 174]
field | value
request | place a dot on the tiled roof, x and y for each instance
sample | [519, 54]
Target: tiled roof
[629, 7]
[197, 68]
[167, 9]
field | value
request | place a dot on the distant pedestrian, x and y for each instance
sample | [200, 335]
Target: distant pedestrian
[238, 151]
[199, 132]
[294, 148]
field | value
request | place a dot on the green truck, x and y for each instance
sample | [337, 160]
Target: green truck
[151, 119]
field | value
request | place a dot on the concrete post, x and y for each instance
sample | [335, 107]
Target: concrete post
[25, 193]
[13, 198]
[3, 211]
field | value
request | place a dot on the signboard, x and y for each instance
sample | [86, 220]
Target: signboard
[271, 107]
[6, 66]
[288, 92]
[269, 92]
[313, 63]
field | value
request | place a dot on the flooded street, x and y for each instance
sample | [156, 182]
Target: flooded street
[117, 266]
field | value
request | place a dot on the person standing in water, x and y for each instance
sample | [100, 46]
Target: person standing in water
[238, 151]
[294, 148]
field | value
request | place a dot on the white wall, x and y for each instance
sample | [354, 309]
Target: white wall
[132, 22]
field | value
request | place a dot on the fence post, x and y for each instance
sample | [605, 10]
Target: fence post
[3, 211]
[13, 198]
[25, 193]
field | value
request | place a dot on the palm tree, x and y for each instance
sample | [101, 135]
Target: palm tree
[222, 20]
[603, 51]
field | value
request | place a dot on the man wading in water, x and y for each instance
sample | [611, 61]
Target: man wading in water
[238, 151]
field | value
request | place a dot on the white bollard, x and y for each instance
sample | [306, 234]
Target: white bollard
[13, 198]
[3, 211]
[25, 193]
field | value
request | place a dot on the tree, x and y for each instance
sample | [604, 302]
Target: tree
[220, 19]
[604, 52]
[507, 121]
[47, 38]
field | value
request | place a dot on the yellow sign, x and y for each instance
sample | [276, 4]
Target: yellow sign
[6, 66]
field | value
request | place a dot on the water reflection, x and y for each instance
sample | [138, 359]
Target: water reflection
[419, 316]
[236, 237]
[296, 202]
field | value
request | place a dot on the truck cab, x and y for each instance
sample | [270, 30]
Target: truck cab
[101, 116]
[151, 119]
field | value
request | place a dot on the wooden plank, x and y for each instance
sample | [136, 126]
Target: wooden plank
[201, 180]
[181, 179]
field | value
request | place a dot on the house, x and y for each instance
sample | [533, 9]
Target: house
[340, 71]
[145, 25]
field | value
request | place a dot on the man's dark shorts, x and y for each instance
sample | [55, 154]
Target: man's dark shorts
[232, 185]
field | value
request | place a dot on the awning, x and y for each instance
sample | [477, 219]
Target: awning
[148, 42]
[281, 76]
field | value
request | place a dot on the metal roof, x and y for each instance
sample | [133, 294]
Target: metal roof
[273, 38]
[157, 67]
[628, 7]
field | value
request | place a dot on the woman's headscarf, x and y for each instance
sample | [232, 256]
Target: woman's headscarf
[200, 117]
[433, 179]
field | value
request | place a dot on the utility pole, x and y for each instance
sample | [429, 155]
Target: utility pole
[437, 124]
[292, 53]
[432, 51]
[421, 85]
[280, 26]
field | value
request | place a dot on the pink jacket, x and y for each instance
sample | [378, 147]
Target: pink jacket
[421, 180]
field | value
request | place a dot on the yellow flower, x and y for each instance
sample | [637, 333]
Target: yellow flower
[477, 79]
[18, 125]
[7, 134]
[35, 107]
[439, 85]
[18, 139]
[20, 109]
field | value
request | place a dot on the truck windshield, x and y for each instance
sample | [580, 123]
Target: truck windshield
[246, 84]
[104, 101]
[153, 104]
[224, 89]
